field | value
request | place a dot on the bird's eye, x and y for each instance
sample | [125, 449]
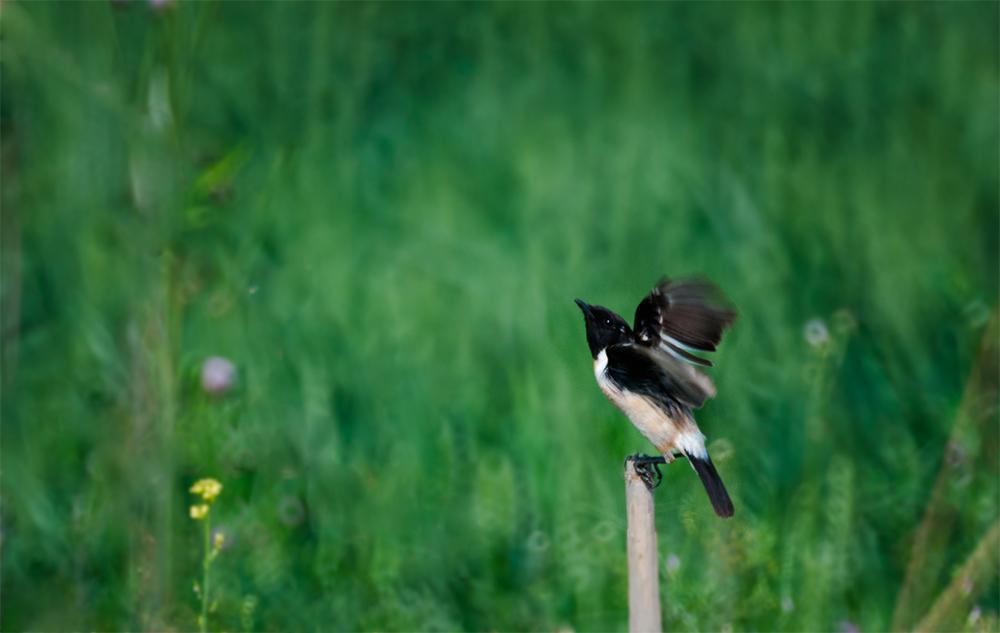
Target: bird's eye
[607, 321]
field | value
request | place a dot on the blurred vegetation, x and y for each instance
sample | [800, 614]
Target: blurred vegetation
[381, 214]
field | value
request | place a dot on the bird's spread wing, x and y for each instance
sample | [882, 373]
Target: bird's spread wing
[682, 316]
[649, 371]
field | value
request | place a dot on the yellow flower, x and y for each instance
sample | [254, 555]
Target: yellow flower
[209, 489]
[199, 512]
[220, 538]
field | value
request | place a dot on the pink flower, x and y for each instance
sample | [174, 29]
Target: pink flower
[217, 375]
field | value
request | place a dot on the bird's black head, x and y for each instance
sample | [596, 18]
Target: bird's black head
[604, 328]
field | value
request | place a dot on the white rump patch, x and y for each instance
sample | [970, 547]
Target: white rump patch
[692, 442]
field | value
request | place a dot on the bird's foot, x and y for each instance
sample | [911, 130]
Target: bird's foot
[642, 465]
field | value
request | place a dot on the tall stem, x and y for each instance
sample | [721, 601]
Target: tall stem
[204, 582]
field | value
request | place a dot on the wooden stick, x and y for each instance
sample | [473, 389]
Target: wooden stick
[643, 558]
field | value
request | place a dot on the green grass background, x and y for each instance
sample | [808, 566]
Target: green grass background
[381, 213]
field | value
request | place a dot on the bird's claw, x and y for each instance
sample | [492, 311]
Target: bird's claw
[642, 465]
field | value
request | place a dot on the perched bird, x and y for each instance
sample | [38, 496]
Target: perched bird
[648, 372]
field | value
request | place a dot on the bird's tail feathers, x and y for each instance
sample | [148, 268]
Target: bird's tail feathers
[717, 494]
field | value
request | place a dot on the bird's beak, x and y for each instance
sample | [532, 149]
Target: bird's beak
[585, 308]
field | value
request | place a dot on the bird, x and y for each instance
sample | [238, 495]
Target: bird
[648, 371]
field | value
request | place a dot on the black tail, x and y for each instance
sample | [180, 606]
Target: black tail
[713, 486]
